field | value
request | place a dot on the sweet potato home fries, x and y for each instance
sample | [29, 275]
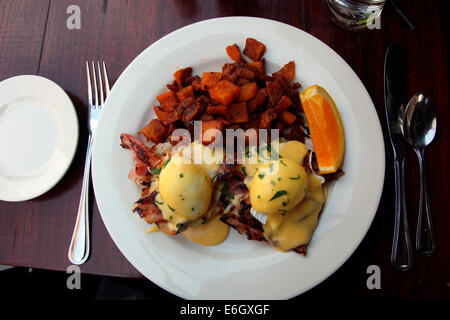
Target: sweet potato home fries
[273, 189]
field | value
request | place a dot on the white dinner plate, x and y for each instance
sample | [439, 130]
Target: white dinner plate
[238, 268]
[38, 136]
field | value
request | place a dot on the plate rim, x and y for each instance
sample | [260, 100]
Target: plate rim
[71, 112]
[372, 110]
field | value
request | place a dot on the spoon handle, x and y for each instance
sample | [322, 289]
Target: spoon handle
[425, 239]
[401, 254]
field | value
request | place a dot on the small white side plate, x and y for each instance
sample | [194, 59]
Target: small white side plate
[38, 136]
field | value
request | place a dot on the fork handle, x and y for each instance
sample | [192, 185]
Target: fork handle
[79, 245]
[401, 254]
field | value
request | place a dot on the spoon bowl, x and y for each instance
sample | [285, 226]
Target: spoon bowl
[419, 123]
[419, 129]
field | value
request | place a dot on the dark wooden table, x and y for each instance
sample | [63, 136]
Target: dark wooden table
[34, 39]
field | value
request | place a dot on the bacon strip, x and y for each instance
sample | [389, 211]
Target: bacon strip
[141, 151]
[242, 223]
[139, 173]
[225, 170]
[239, 217]
[301, 249]
[147, 209]
[164, 227]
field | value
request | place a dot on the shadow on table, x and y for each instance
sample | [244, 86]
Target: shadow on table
[35, 284]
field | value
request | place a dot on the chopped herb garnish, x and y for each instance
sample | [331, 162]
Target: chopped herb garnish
[283, 212]
[192, 209]
[181, 175]
[298, 177]
[244, 171]
[203, 220]
[159, 202]
[166, 163]
[261, 175]
[171, 217]
[156, 171]
[278, 194]
[261, 153]
[271, 167]
[225, 192]
[272, 182]
[273, 154]
[279, 178]
[259, 197]
[247, 153]
[170, 207]
[284, 164]
[286, 203]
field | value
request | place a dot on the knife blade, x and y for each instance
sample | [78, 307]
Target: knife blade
[401, 254]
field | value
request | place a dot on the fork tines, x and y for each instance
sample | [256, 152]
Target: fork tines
[98, 81]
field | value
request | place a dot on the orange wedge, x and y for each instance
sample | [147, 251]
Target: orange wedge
[325, 127]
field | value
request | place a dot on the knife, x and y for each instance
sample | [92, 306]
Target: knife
[401, 254]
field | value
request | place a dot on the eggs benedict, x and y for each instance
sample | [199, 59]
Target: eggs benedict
[179, 196]
[285, 197]
[274, 196]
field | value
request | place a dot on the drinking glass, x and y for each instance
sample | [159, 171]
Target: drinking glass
[356, 14]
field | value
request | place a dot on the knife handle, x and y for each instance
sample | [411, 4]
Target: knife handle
[401, 255]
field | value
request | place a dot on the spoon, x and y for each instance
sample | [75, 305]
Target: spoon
[419, 128]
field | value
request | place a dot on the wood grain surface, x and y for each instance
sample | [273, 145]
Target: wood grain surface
[34, 39]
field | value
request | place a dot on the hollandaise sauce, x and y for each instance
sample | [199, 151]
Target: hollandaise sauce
[210, 233]
[295, 228]
[187, 199]
[290, 198]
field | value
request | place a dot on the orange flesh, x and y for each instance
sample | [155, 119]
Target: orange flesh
[326, 132]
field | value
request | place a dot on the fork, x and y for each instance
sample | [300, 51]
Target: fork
[80, 244]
